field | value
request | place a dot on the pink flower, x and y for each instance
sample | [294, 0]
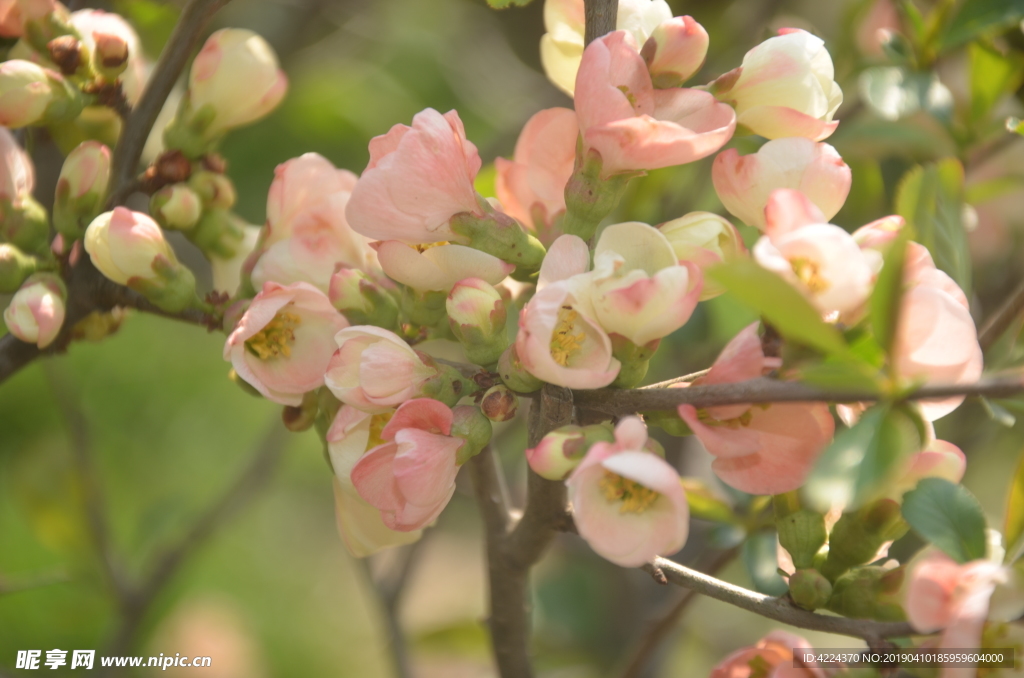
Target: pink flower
[560, 345]
[629, 503]
[675, 51]
[770, 657]
[632, 125]
[744, 182]
[822, 260]
[284, 342]
[417, 179]
[375, 370]
[125, 245]
[944, 596]
[410, 477]
[785, 87]
[360, 525]
[439, 267]
[940, 459]
[36, 312]
[758, 449]
[14, 14]
[17, 176]
[707, 240]
[531, 186]
[307, 236]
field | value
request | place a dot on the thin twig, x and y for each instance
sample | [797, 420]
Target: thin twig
[389, 592]
[678, 380]
[764, 390]
[781, 609]
[997, 323]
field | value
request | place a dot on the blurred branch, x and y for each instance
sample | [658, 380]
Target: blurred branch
[600, 17]
[389, 592]
[88, 290]
[997, 323]
[764, 390]
[779, 609]
[644, 654]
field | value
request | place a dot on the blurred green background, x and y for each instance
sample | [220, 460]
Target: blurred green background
[272, 592]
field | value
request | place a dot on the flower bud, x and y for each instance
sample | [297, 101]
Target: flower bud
[501, 236]
[81, 188]
[25, 225]
[176, 207]
[706, 239]
[66, 52]
[635, 360]
[675, 51]
[809, 589]
[110, 55]
[129, 248]
[214, 189]
[802, 533]
[857, 537]
[25, 93]
[499, 403]
[469, 423]
[36, 312]
[560, 451]
[299, 418]
[218, 234]
[476, 313]
[361, 300]
[869, 593]
[515, 376]
[447, 386]
[15, 267]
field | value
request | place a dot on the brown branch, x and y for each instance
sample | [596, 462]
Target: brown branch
[997, 323]
[764, 390]
[600, 17]
[781, 609]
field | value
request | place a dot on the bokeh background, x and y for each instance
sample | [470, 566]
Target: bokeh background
[147, 426]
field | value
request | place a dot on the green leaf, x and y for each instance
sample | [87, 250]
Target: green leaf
[705, 504]
[780, 303]
[1013, 525]
[981, 17]
[760, 557]
[998, 413]
[894, 92]
[885, 299]
[861, 461]
[993, 75]
[947, 515]
[931, 199]
[505, 4]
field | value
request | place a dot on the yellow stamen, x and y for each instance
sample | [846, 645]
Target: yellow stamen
[564, 341]
[427, 246]
[629, 95]
[736, 422]
[377, 424]
[807, 272]
[276, 338]
[634, 497]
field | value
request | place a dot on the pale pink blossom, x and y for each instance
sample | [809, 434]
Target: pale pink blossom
[531, 186]
[440, 267]
[375, 370]
[26, 90]
[307, 236]
[636, 127]
[744, 183]
[36, 312]
[675, 51]
[96, 26]
[775, 653]
[706, 240]
[284, 341]
[410, 477]
[821, 260]
[628, 503]
[940, 459]
[758, 449]
[14, 14]
[17, 175]
[360, 525]
[124, 245]
[785, 87]
[417, 179]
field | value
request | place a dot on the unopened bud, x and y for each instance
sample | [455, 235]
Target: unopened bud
[561, 450]
[499, 235]
[499, 403]
[707, 240]
[66, 52]
[476, 313]
[469, 423]
[25, 225]
[675, 51]
[298, 418]
[634, 359]
[361, 300]
[176, 207]
[36, 312]
[214, 189]
[447, 386]
[589, 196]
[15, 267]
[25, 93]
[81, 188]
[515, 376]
[809, 589]
[218, 234]
[802, 533]
[110, 57]
[869, 593]
[857, 537]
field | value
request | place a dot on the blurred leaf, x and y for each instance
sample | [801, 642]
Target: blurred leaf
[992, 75]
[984, 191]
[705, 504]
[998, 413]
[921, 137]
[884, 305]
[947, 515]
[780, 303]
[894, 92]
[861, 460]
[760, 558]
[977, 17]
[930, 198]
[505, 4]
[1013, 525]
[485, 181]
